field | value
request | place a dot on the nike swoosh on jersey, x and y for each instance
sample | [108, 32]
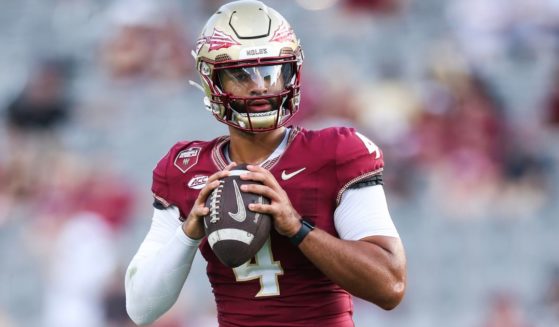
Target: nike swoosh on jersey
[241, 213]
[285, 176]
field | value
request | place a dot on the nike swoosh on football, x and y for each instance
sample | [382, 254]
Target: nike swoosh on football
[285, 176]
[241, 213]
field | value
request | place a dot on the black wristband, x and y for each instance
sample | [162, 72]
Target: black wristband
[306, 228]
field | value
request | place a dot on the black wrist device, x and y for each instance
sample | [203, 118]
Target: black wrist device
[306, 228]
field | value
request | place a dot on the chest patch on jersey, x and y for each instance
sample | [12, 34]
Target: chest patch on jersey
[198, 182]
[186, 159]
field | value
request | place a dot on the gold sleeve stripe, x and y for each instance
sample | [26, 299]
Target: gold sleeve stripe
[162, 200]
[356, 179]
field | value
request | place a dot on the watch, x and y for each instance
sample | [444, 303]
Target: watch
[306, 228]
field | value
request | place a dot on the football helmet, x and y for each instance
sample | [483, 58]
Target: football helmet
[249, 61]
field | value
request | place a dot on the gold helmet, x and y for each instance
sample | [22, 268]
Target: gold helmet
[249, 61]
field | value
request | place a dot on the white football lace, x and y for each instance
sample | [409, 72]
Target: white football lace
[214, 203]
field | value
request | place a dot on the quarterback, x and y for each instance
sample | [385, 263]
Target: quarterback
[332, 234]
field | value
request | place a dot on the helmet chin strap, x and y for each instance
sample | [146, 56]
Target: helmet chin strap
[196, 85]
[207, 104]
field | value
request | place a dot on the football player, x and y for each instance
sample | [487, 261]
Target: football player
[333, 235]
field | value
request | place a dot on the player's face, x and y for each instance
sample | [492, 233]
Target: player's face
[257, 82]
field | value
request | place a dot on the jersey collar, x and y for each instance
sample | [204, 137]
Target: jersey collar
[220, 151]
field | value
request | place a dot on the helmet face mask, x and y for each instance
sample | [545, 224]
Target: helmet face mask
[249, 61]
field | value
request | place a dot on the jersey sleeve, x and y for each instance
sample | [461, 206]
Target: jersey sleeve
[160, 184]
[364, 212]
[357, 159]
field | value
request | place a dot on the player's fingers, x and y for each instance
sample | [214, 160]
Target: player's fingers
[260, 174]
[205, 192]
[222, 173]
[263, 208]
[213, 182]
[258, 169]
[261, 190]
[200, 210]
[230, 166]
[219, 175]
[253, 176]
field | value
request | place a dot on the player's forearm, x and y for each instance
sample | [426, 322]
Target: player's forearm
[153, 283]
[367, 270]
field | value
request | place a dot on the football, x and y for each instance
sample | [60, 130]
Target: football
[234, 232]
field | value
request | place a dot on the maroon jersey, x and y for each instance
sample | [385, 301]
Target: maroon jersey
[279, 287]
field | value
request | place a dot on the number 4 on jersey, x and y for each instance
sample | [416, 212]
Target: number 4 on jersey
[372, 147]
[264, 268]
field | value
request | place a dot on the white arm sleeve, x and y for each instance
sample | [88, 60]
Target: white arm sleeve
[363, 212]
[159, 269]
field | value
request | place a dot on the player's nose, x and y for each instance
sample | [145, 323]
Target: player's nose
[258, 88]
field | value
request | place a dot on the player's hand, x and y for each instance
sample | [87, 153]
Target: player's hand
[193, 226]
[286, 220]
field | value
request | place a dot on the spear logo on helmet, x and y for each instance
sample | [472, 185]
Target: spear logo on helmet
[218, 40]
[283, 33]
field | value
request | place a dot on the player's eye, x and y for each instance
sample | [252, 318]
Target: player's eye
[240, 75]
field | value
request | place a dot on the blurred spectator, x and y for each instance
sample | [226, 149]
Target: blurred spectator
[526, 170]
[551, 105]
[91, 212]
[476, 157]
[43, 105]
[83, 259]
[5, 321]
[505, 311]
[380, 7]
[460, 139]
[108, 195]
[327, 100]
[146, 40]
[388, 107]
[209, 6]
[480, 27]
[388, 110]
[533, 30]
[33, 121]
[551, 297]
[504, 30]
[114, 303]
[310, 99]
[173, 61]
[80, 210]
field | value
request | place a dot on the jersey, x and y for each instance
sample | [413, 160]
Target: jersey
[280, 286]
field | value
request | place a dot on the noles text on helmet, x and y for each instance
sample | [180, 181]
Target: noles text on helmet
[249, 61]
